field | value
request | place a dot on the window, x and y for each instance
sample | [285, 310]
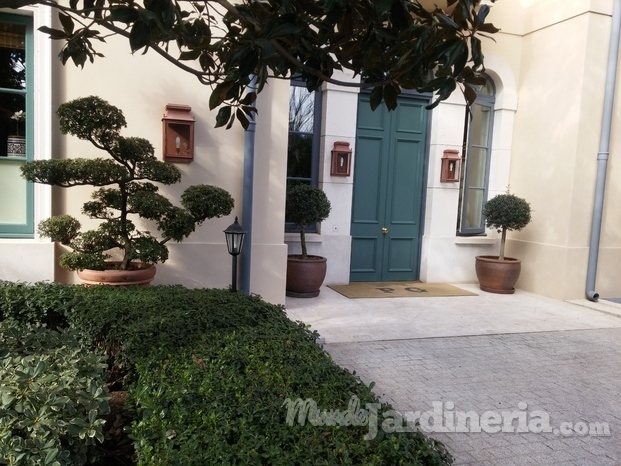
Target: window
[16, 114]
[475, 177]
[304, 130]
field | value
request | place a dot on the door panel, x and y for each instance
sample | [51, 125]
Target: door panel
[387, 198]
[366, 258]
[368, 189]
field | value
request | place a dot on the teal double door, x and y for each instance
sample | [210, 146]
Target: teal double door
[388, 190]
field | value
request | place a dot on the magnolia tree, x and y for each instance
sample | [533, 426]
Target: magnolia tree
[390, 45]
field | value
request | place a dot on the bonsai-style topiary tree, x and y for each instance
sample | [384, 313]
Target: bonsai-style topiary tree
[306, 205]
[506, 212]
[125, 190]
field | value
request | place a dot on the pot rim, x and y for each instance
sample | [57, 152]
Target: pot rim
[511, 260]
[140, 266]
[309, 258]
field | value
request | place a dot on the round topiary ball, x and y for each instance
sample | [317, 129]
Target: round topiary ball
[306, 205]
[507, 211]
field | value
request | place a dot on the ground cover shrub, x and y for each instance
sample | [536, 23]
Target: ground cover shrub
[133, 321]
[45, 303]
[220, 401]
[52, 397]
[208, 372]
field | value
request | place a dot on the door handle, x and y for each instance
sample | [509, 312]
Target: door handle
[384, 230]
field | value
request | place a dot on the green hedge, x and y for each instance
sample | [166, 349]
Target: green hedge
[221, 402]
[209, 371]
[44, 303]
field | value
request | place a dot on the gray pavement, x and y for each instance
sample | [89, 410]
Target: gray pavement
[494, 363]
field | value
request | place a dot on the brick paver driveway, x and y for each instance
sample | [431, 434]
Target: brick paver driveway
[572, 376]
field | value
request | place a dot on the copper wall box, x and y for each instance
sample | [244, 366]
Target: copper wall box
[341, 159]
[178, 132]
[451, 162]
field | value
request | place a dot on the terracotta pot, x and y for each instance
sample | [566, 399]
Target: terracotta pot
[497, 276]
[141, 274]
[305, 276]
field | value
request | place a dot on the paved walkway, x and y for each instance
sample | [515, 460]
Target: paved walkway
[523, 360]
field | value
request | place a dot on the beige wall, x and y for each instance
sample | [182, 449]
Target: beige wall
[557, 129]
[142, 85]
[548, 63]
[269, 252]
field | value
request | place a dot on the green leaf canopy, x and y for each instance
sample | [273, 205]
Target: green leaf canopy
[390, 44]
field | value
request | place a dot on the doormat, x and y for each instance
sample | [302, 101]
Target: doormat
[398, 290]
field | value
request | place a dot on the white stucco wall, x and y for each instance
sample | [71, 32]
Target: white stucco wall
[555, 155]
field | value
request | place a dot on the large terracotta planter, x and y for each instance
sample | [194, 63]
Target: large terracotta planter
[141, 274]
[305, 276]
[498, 276]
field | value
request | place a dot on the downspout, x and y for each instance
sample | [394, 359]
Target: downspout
[247, 199]
[604, 147]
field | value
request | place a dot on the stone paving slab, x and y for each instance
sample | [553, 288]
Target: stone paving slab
[339, 319]
[571, 376]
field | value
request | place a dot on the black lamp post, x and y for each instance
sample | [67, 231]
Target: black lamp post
[234, 242]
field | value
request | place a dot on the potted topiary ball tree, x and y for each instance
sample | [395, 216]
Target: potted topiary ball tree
[505, 212]
[126, 190]
[306, 205]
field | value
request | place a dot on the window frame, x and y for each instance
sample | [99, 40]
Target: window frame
[487, 101]
[315, 154]
[24, 230]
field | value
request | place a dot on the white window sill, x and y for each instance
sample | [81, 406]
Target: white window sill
[18, 240]
[475, 240]
[310, 238]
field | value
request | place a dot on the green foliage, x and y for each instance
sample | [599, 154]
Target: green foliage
[52, 397]
[74, 172]
[44, 303]
[61, 228]
[220, 401]
[169, 316]
[209, 371]
[131, 168]
[306, 205]
[91, 119]
[507, 212]
[203, 201]
[391, 45]
[75, 260]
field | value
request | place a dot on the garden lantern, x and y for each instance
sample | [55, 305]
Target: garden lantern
[235, 235]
